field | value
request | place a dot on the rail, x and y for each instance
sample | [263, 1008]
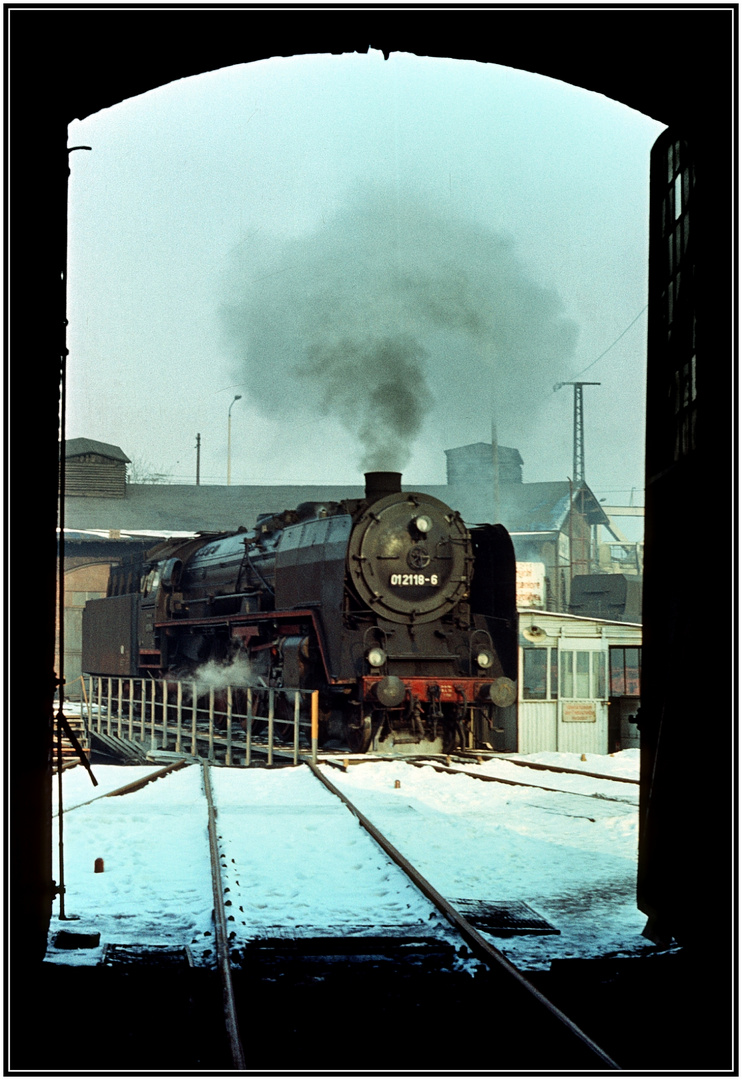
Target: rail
[479, 946]
[220, 927]
[486, 778]
[187, 718]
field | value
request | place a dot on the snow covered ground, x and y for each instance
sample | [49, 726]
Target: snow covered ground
[570, 857]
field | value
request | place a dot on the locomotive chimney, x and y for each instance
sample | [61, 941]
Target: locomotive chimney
[379, 484]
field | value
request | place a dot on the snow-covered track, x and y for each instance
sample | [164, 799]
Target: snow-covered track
[127, 789]
[481, 948]
[488, 778]
[541, 766]
[315, 902]
[220, 929]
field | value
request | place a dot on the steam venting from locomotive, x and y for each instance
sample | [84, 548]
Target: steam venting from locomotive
[391, 314]
[218, 675]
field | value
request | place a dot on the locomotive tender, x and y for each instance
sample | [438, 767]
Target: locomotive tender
[399, 615]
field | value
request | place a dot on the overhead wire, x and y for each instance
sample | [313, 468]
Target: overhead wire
[623, 332]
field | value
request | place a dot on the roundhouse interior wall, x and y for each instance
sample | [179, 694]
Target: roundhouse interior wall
[673, 64]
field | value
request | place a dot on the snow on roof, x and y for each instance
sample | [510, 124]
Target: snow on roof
[540, 613]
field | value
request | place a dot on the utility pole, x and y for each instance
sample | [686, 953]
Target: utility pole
[578, 469]
[198, 460]
[578, 463]
[237, 397]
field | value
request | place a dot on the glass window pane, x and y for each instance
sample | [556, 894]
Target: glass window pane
[582, 675]
[566, 687]
[553, 689]
[632, 673]
[598, 675]
[534, 673]
[678, 195]
[618, 681]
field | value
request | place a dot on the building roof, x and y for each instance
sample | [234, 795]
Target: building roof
[544, 507]
[77, 447]
[167, 508]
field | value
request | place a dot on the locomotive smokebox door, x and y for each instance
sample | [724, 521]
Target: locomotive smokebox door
[408, 560]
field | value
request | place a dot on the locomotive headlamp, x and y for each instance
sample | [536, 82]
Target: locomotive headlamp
[423, 523]
[485, 659]
[376, 657]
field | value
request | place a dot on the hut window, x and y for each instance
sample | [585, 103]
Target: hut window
[539, 674]
[582, 674]
[625, 671]
[534, 673]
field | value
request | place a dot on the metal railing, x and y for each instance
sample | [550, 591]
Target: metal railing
[186, 717]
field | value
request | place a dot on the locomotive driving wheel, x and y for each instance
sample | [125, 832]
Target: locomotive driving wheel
[358, 734]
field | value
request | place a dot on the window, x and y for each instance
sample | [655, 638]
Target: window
[626, 671]
[539, 674]
[582, 674]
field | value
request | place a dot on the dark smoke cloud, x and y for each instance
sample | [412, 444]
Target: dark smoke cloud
[393, 309]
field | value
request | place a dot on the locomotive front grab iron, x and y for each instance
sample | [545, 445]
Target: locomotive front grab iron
[399, 615]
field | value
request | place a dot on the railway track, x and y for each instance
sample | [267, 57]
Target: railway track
[328, 942]
[454, 765]
[403, 931]
[628, 799]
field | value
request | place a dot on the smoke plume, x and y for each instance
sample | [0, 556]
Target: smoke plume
[391, 313]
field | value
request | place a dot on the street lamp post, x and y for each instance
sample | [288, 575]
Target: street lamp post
[229, 439]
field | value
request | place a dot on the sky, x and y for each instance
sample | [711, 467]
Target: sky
[384, 259]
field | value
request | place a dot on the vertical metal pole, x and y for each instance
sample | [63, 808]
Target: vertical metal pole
[179, 707]
[60, 820]
[86, 714]
[143, 715]
[120, 707]
[164, 714]
[578, 463]
[198, 460]
[297, 711]
[194, 737]
[228, 757]
[315, 725]
[153, 699]
[211, 723]
[271, 703]
[99, 695]
[131, 710]
[248, 728]
[108, 707]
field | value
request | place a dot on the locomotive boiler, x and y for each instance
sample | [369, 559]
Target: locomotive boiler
[399, 615]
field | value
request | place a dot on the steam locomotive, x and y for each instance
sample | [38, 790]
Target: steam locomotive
[399, 615]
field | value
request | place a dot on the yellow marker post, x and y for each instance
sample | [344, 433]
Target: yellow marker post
[315, 724]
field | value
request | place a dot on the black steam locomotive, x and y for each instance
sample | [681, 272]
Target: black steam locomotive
[399, 615]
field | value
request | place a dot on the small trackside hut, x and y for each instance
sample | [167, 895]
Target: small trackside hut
[579, 682]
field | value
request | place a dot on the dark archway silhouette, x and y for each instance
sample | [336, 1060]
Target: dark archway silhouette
[674, 64]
